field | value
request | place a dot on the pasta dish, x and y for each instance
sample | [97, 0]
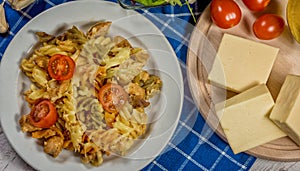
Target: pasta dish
[88, 93]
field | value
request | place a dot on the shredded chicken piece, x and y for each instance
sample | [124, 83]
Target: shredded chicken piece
[53, 145]
[136, 90]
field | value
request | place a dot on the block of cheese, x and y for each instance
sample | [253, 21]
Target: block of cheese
[241, 63]
[286, 111]
[245, 119]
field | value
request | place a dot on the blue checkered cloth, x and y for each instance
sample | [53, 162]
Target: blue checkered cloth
[194, 145]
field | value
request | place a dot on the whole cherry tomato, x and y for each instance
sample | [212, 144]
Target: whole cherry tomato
[256, 5]
[268, 26]
[225, 13]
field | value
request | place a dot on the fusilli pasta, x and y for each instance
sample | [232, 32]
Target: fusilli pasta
[85, 124]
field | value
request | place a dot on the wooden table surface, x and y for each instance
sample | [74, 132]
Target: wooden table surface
[10, 161]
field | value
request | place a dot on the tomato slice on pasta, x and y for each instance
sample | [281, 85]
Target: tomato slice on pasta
[61, 67]
[43, 115]
[112, 97]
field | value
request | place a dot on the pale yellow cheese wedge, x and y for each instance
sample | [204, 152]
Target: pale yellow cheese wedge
[241, 63]
[245, 119]
[286, 112]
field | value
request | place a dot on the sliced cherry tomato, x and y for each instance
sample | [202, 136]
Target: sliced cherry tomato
[225, 13]
[256, 5]
[61, 67]
[112, 97]
[268, 26]
[43, 115]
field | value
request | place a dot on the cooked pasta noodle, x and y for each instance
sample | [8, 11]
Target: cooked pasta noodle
[85, 125]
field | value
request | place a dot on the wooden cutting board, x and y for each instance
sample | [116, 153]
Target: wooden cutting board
[203, 45]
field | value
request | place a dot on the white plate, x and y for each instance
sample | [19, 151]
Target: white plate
[165, 110]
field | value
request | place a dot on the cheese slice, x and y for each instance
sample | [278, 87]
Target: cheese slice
[286, 112]
[245, 119]
[241, 64]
